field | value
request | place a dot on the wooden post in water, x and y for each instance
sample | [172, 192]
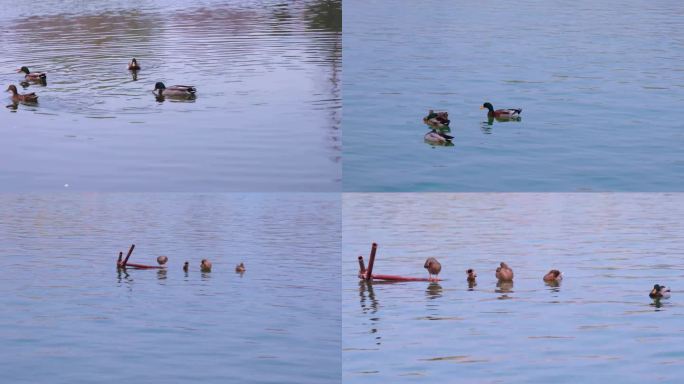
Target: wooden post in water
[362, 267]
[118, 262]
[129, 254]
[371, 261]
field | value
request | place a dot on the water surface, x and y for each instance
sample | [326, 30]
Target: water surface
[69, 316]
[266, 116]
[599, 325]
[600, 85]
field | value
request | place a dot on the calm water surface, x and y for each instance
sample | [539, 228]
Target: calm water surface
[266, 115]
[598, 325]
[600, 85]
[69, 317]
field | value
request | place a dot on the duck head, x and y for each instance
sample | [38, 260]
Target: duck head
[24, 69]
[471, 274]
[159, 86]
[488, 106]
[12, 88]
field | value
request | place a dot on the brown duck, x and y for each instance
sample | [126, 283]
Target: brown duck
[433, 266]
[16, 96]
[504, 272]
[33, 76]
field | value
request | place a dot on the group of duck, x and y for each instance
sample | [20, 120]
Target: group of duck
[439, 122]
[504, 274]
[161, 91]
[205, 265]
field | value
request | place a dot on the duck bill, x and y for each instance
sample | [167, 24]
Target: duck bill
[481, 107]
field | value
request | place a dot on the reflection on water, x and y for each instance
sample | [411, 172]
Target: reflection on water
[267, 75]
[599, 84]
[69, 314]
[611, 249]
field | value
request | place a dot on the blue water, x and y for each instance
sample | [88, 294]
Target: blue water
[68, 316]
[266, 116]
[599, 325]
[600, 84]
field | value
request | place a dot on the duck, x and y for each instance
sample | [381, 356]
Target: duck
[659, 292]
[436, 137]
[186, 266]
[433, 266]
[174, 91]
[133, 65]
[504, 114]
[205, 265]
[27, 98]
[33, 76]
[240, 268]
[437, 119]
[553, 275]
[162, 260]
[471, 275]
[504, 272]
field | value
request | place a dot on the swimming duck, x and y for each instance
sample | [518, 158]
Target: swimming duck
[133, 65]
[33, 76]
[504, 114]
[471, 275]
[186, 266]
[435, 137]
[433, 266]
[205, 265]
[504, 272]
[659, 292]
[240, 268]
[27, 98]
[174, 90]
[553, 275]
[162, 260]
[437, 119]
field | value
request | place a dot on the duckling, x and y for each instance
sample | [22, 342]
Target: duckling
[433, 266]
[133, 65]
[659, 292]
[27, 98]
[174, 90]
[162, 260]
[434, 137]
[37, 77]
[205, 265]
[471, 275]
[240, 268]
[553, 275]
[504, 272]
[503, 114]
[186, 266]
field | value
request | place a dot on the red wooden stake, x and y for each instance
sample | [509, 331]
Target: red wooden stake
[129, 254]
[371, 261]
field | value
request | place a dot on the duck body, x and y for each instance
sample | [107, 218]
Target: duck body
[26, 98]
[504, 272]
[185, 91]
[659, 292]
[433, 266]
[437, 119]
[502, 114]
[240, 268]
[553, 275]
[205, 265]
[36, 77]
[471, 275]
[186, 266]
[436, 137]
[161, 260]
[133, 65]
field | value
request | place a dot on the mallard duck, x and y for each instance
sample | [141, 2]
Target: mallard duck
[33, 76]
[240, 268]
[504, 272]
[553, 275]
[471, 275]
[174, 90]
[512, 113]
[435, 137]
[437, 119]
[133, 65]
[433, 266]
[205, 265]
[659, 292]
[186, 266]
[27, 98]
[162, 260]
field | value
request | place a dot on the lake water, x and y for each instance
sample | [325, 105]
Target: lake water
[598, 326]
[600, 85]
[266, 116]
[69, 316]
